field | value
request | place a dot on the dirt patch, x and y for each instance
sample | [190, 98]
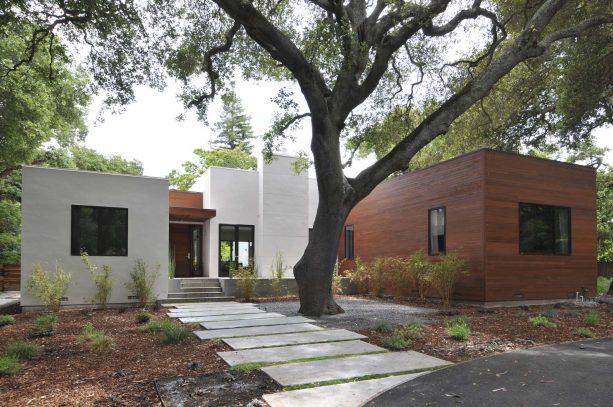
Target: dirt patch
[216, 389]
[68, 374]
[500, 330]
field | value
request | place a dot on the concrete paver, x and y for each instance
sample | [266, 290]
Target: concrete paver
[254, 322]
[255, 330]
[331, 335]
[287, 353]
[181, 314]
[207, 318]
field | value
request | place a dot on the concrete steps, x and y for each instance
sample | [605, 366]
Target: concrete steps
[197, 290]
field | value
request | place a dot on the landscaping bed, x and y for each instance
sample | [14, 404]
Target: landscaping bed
[67, 373]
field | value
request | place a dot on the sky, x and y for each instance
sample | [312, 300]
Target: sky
[148, 130]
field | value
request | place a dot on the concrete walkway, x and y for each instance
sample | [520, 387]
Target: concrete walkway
[9, 298]
[294, 352]
[570, 374]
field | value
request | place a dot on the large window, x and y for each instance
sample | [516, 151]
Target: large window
[349, 253]
[100, 231]
[544, 229]
[436, 231]
[236, 247]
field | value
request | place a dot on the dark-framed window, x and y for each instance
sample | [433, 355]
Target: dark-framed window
[544, 229]
[236, 247]
[99, 230]
[436, 231]
[349, 247]
[310, 234]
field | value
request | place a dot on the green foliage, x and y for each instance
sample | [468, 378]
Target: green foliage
[143, 316]
[550, 313]
[541, 321]
[95, 340]
[90, 160]
[142, 281]
[172, 333]
[155, 326]
[359, 275]
[44, 325]
[9, 366]
[396, 341]
[277, 270]
[46, 288]
[10, 232]
[584, 332]
[446, 273]
[383, 326]
[591, 318]
[603, 284]
[420, 272]
[172, 266]
[411, 331]
[246, 280]
[458, 328]
[233, 128]
[522, 314]
[604, 184]
[102, 280]
[22, 350]
[6, 319]
[571, 313]
[337, 280]
[210, 158]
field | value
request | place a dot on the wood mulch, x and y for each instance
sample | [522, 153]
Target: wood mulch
[68, 374]
[499, 329]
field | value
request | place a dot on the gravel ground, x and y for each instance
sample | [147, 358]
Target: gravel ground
[359, 313]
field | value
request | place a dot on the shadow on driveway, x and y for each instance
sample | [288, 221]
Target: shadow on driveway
[577, 374]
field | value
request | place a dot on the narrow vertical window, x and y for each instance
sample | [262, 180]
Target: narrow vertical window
[436, 231]
[349, 254]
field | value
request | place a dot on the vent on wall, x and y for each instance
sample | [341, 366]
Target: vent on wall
[132, 297]
[64, 299]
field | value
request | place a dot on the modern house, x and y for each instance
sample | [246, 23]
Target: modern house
[527, 226]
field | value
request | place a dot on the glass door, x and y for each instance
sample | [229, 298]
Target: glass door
[236, 247]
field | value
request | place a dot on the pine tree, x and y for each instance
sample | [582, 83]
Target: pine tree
[234, 127]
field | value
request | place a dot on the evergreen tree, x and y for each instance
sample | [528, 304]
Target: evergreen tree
[234, 127]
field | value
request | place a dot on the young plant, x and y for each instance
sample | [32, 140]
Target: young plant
[44, 325]
[8, 366]
[396, 341]
[446, 273]
[142, 281]
[172, 266]
[22, 350]
[383, 326]
[359, 276]
[550, 313]
[337, 285]
[102, 280]
[458, 328]
[246, 280]
[585, 332]
[6, 319]
[155, 326]
[591, 318]
[172, 333]
[541, 321]
[411, 331]
[420, 272]
[46, 288]
[143, 316]
[571, 313]
[95, 340]
[277, 269]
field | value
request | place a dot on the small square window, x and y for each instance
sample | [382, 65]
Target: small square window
[98, 230]
[544, 229]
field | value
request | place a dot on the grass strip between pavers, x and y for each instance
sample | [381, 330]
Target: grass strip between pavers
[221, 338]
[296, 344]
[247, 367]
[359, 379]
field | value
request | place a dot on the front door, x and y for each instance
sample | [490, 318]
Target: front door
[186, 249]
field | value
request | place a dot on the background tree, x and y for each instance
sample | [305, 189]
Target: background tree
[231, 148]
[353, 61]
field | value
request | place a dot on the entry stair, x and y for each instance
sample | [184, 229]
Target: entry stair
[198, 290]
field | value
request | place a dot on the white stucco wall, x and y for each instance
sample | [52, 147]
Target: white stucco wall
[46, 227]
[313, 200]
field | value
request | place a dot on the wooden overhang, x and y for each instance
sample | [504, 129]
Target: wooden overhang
[178, 214]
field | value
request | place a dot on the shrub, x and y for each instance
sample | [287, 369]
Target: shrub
[378, 277]
[246, 280]
[389, 272]
[420, 273]
[6, 319]
[541, 321]
[8, 366]
[585, 332]
[550, 313]
[97, 341]
[591, 318]
[337, 281]
[48, 289]
[571, 313]
[22, 350]
[383, 326]
[603, 284]
[143, 316]
[458, 328]
[277, 270]
[446, 273]
[411, 331]
[396, 341]
[154, 326]
[44, 325]
[359, 276]
[172, 334]
[142, 281]
[103, 282]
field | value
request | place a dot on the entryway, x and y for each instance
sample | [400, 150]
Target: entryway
[186, 249]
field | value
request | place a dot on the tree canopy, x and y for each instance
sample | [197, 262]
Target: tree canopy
[233, 127]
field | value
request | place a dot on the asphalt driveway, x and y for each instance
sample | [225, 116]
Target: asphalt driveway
[577, 374]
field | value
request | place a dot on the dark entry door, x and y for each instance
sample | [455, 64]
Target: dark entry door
[236, 247]
[186, 245]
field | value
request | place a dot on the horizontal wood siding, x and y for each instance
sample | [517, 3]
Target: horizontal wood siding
[186, 199]
[11, 277]
[511, 179]
[393, 219]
